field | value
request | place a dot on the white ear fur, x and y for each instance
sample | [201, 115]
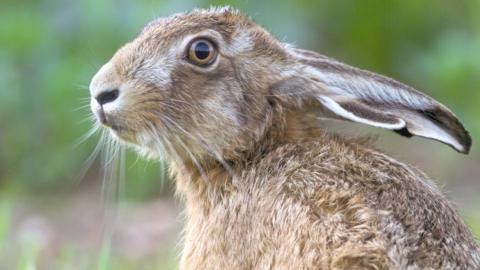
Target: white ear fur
[368, 98]
[337, 109]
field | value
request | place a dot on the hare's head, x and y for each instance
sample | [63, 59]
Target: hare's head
[208, 82]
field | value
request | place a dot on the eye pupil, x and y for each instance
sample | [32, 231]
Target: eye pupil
[202, 50]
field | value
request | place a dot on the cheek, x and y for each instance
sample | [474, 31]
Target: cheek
[221, 110]
[142, 99]
[210, 98]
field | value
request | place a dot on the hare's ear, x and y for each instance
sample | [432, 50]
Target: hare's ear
[360, 96]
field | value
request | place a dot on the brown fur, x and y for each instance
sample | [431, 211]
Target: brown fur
[264, 188]
[349, 207]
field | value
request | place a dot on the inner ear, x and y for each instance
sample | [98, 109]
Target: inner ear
[354, 110]
[438, 124]
[349, 93]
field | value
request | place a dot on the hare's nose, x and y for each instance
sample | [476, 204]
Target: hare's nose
[107, 96]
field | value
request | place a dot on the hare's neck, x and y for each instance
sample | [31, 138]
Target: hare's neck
[200, 190]
[204, 185]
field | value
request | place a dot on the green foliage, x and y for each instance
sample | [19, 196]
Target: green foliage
[105, 258]
[5, 220]
[50, 49]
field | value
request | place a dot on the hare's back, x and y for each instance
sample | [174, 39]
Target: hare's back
[367, 205]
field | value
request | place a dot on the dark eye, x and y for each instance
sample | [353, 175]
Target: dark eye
[201, 52]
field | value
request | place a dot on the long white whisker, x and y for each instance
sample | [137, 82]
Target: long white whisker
[114, 160]
[193, 158]
[173, 123]
[163, 177]
[162, 143]
[210, 151]
[91, 118]
[81, 86]
[113, 150]
[87, 135]
[160, 149]
[90, 159]
[82, 107]
[215, 154]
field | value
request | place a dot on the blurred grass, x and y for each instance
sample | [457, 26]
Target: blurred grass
[5, 220]
[49, 49]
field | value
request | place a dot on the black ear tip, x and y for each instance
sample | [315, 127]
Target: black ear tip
[449, 122]
[466, 142]
[463, 138]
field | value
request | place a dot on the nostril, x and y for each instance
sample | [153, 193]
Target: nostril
[107, 96]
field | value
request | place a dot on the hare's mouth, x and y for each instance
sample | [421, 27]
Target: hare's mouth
[119, 130]
[108, 120]
[122, 134]
[111, 122]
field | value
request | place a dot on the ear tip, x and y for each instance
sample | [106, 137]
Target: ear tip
[442, 116]
[466, 142]
[463, 138]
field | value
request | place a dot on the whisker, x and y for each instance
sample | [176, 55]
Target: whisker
[216, 155]
[81, 86]
[90, 118]
[162, 161]
[181, 101]
[163, 175]
[112, 149]
[162, 142]
[112, 186]
[82, 107]
[164, 117]
[86, 136]
[87, 164]
[113, 161]
[213, 153]
[192, 157]
[84, 99]
[121, 173]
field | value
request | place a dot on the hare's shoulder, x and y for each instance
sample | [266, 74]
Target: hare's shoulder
[326, 181]
[340, 174]
[367, 202]
[334, 163]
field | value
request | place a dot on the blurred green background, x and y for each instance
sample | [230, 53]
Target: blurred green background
[54, 212]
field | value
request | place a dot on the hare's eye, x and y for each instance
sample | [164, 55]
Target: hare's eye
[201, 52]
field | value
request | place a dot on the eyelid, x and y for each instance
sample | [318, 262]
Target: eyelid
[206, 36]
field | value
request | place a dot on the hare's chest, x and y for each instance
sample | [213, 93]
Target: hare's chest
[249, 232]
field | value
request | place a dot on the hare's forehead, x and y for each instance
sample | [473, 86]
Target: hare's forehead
[182, 23]
[163, 34]
[162, 44]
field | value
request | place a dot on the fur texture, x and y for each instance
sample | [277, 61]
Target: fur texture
[264, 188]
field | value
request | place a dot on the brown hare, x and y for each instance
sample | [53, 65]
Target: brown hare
[234, 110]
